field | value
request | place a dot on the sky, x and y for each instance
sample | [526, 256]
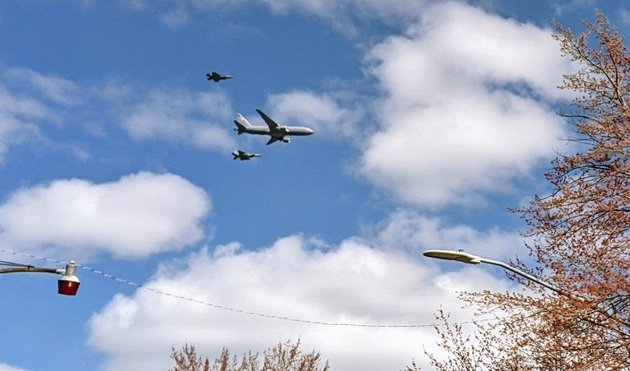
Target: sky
[431, 120]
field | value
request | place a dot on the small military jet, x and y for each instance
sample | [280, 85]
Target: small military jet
[216, 77]
[273, 129]
[241, 155]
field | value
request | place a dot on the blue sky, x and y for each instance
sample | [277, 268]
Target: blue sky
[430, 118]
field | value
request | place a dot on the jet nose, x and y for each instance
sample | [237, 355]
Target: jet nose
[309, 131]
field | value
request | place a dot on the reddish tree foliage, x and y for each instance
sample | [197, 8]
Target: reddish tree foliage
[580, 233]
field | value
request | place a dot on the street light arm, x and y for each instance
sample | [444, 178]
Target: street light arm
[464, 257]
[31, 269]
[525, 275]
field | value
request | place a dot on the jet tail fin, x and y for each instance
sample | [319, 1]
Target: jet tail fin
[241, 124]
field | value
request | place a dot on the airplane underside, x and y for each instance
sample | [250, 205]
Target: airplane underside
[283, 139]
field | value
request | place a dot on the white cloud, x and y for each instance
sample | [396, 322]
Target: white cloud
[30, 100]
[352, 283]
[322, 112]
[563, 7]
[340, 10]
[32, 104]
[416, 233]
[138, 215]
[175, 19]
[113, 92]
[5, 367]
[341, 14]
[466, 106]
[182, 117]
[176, 13]
[54, 88]
[19, 119]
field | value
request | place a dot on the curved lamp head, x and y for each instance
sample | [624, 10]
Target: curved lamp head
[68, 284]
[460, 256]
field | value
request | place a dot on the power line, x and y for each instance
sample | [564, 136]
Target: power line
[232, 309]
[242, 311]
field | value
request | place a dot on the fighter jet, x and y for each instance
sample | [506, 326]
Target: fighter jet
[241, 155]
[273, 129]
[217, 77]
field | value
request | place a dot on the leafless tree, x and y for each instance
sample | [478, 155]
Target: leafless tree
[285, 356]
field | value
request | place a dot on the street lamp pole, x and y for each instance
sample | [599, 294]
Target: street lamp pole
[68, 284]
[465, 257]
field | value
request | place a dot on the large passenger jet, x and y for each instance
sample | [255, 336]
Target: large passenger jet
[277, 132]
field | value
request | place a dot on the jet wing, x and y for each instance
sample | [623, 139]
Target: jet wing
[272, 124]
[272, 140]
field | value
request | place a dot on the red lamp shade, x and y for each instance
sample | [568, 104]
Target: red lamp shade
[68, 285]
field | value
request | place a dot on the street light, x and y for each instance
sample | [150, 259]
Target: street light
[68, 284]
[465, 257]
